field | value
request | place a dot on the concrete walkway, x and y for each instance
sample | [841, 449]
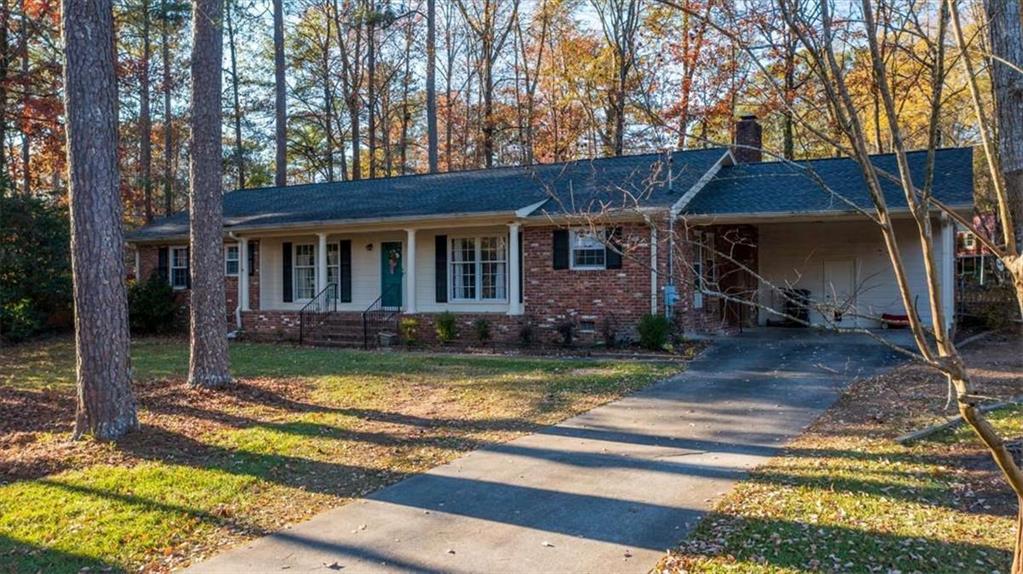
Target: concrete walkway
[606, 491]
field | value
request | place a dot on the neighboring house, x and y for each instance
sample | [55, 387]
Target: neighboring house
[975, 264]
[597, 243]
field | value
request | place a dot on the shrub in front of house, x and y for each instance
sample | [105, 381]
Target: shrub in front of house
[567, 331]
[408, 328]
[654, 332]
[527, 334]
[152, 309]
[481, 327]
[446, 327]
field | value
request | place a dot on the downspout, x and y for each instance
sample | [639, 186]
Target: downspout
[669, 302]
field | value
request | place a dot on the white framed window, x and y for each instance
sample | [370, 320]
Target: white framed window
[479, 268]
[969, 241]
[179, 267]
[303, 270]
[231, 261]
[587, 250]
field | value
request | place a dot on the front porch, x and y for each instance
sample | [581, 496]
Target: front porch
[341, 287]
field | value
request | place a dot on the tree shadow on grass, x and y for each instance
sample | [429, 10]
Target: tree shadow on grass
[803, 546]
[17, 557]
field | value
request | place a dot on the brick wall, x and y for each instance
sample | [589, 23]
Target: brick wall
[149, 262]
[586, 297]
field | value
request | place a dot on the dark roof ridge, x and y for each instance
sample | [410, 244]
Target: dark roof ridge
[408, 176]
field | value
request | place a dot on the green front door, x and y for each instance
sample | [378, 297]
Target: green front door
[390, 273]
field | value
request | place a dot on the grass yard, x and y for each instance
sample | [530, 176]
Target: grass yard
[304, 430]
[845, 497]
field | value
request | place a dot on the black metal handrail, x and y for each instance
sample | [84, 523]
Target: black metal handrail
[377, 306]
[324, 302]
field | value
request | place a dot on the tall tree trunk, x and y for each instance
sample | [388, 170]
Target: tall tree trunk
[431, 84]
[26, 140]
[280, 98]
[145, 119]
[1005, 31]
[5, 66]
[487, 89]
[208, 363]
[106, 406]
[371, 101]
[406, 115]
[788, 128]
[239, 149]
[168, 117]
[328, 102]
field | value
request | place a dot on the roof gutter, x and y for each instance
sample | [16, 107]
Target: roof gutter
[796, 216]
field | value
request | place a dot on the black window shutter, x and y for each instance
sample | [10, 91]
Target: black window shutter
[345, 260]
[440, 267]
[613, 249]
[289, 294]
[163, 263]
[561, 249]
[188, 268]
[522, 267]
[252, 249]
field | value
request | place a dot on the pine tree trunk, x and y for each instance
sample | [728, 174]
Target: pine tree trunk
[168, 118]
[5, 65]
[280, 97]
[106, 406]
[371, 101]
[208, 363]
[26, 173]
[431, 84]
[239, 151]
[145, 119]
[1006, 35]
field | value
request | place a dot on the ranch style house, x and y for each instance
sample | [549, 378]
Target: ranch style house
[715, 239]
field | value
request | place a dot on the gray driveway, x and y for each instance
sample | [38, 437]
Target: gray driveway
[608, 490]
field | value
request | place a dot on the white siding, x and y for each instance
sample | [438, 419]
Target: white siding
[793, 255]
[366, 270]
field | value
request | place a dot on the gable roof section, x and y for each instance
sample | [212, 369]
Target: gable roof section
[627, 181]
[781, 188]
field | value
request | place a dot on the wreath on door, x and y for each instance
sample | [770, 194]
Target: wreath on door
[392, 260]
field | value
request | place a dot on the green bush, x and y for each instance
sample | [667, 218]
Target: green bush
[447, 327]
[654, 331]
[19, 320]
[408, 329]
[35, 265]
[152, 308]
[482, 329]
[567, 331]
[527, 334]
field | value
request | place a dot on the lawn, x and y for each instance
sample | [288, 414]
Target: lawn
[845, 497]
[304, 430]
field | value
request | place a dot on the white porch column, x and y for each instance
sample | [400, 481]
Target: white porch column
[243, 273]
[410, 271]
[514, 270]
[321, 263]
[653, 269]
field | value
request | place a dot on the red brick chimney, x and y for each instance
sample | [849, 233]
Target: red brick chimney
[748, 141]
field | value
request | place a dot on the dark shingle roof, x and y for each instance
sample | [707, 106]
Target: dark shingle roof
[585, 186]
[780, 187]
[576, 185]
